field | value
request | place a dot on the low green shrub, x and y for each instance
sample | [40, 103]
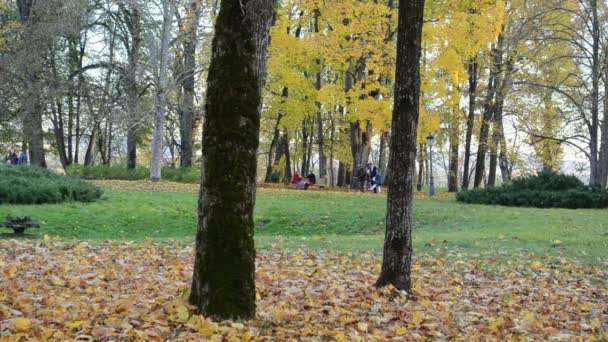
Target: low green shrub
[545, 190]
[33, 185]
[187, 175]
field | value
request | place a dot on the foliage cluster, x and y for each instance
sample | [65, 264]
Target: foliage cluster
[545, 190]
[32, 185]
[181, 175]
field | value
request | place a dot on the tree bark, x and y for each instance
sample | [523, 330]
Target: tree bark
[360, 142]
[470, 122]
[397, 255]
[223, 284]
[594, 179]
[188, 83]
[32, 106]
[161, 91]
[132, 18]
[453, 165]
[603, 159]
[420, 182]
[382, 153]
[488, 115]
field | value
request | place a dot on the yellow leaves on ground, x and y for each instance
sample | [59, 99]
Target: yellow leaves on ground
[22, 325]
[536, 265]
[138, 292]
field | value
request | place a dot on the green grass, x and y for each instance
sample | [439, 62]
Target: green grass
[337, 222]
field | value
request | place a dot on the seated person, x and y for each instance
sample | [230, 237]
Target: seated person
[296, 178]
[302, 184]
[312, 179]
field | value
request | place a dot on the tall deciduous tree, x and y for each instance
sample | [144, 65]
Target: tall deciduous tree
[32, 102]
[161, 65]
[223, 283]
[397, 257]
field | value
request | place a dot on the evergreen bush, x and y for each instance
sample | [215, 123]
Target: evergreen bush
[544, 190]
[33, 185]
[188, 175]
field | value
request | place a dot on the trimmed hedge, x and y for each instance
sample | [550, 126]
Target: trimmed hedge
[33, 185]
[190, 175]
[545, 190]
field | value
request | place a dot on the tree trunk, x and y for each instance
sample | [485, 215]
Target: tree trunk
[470, 122]
[341, 174]
[90, 153]
[453, 167]
[397, 256]
[360, 143]
[132, 18]
[305, 166]
[161, 91]
[223, 284]
[288, 175]
[420, 168]
[488, 115]
[272, 150]
[382, 153]
[188, 81]
[32, 106]
[603, 159]
[594, 179]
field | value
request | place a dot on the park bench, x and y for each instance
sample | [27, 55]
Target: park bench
[19, 224]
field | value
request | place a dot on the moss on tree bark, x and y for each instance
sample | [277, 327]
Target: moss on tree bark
[223, 283]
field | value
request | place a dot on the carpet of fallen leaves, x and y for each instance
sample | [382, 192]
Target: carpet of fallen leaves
[58, 290]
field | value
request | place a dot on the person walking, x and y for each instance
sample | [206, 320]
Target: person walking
[377, 183]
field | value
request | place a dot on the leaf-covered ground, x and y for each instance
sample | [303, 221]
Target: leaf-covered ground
[54, 290]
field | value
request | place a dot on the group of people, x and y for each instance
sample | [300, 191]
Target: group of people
[370, 178]
[304, 183]
[14, 159]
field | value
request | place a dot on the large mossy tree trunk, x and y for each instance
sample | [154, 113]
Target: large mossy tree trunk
[223, 285]
[397, 256]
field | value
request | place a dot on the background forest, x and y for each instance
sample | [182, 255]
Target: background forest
[509, 86]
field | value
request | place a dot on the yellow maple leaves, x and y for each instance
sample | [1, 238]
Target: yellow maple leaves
[22, 325]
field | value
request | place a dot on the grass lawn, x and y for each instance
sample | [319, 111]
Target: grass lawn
[336, 222]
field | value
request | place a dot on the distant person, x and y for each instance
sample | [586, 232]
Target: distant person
[377, 183]
[23, 158]
[312, 179]
[302, 184]
[296, 178]
[12, 158]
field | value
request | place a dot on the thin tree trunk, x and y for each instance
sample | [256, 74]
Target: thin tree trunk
[223, 284]
[341, 174]
[186, 109]
[288, 175]
[470, 122]
[161, 91]
[304, 168]
[454, 157]
[488, 115]
[360, 142]
[397, 255]
[595, 97]
[420, 168]
[603, 159]
[133, 22]
[382, 153]
[272, 150]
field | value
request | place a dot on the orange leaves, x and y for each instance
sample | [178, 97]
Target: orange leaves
[120, 291]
